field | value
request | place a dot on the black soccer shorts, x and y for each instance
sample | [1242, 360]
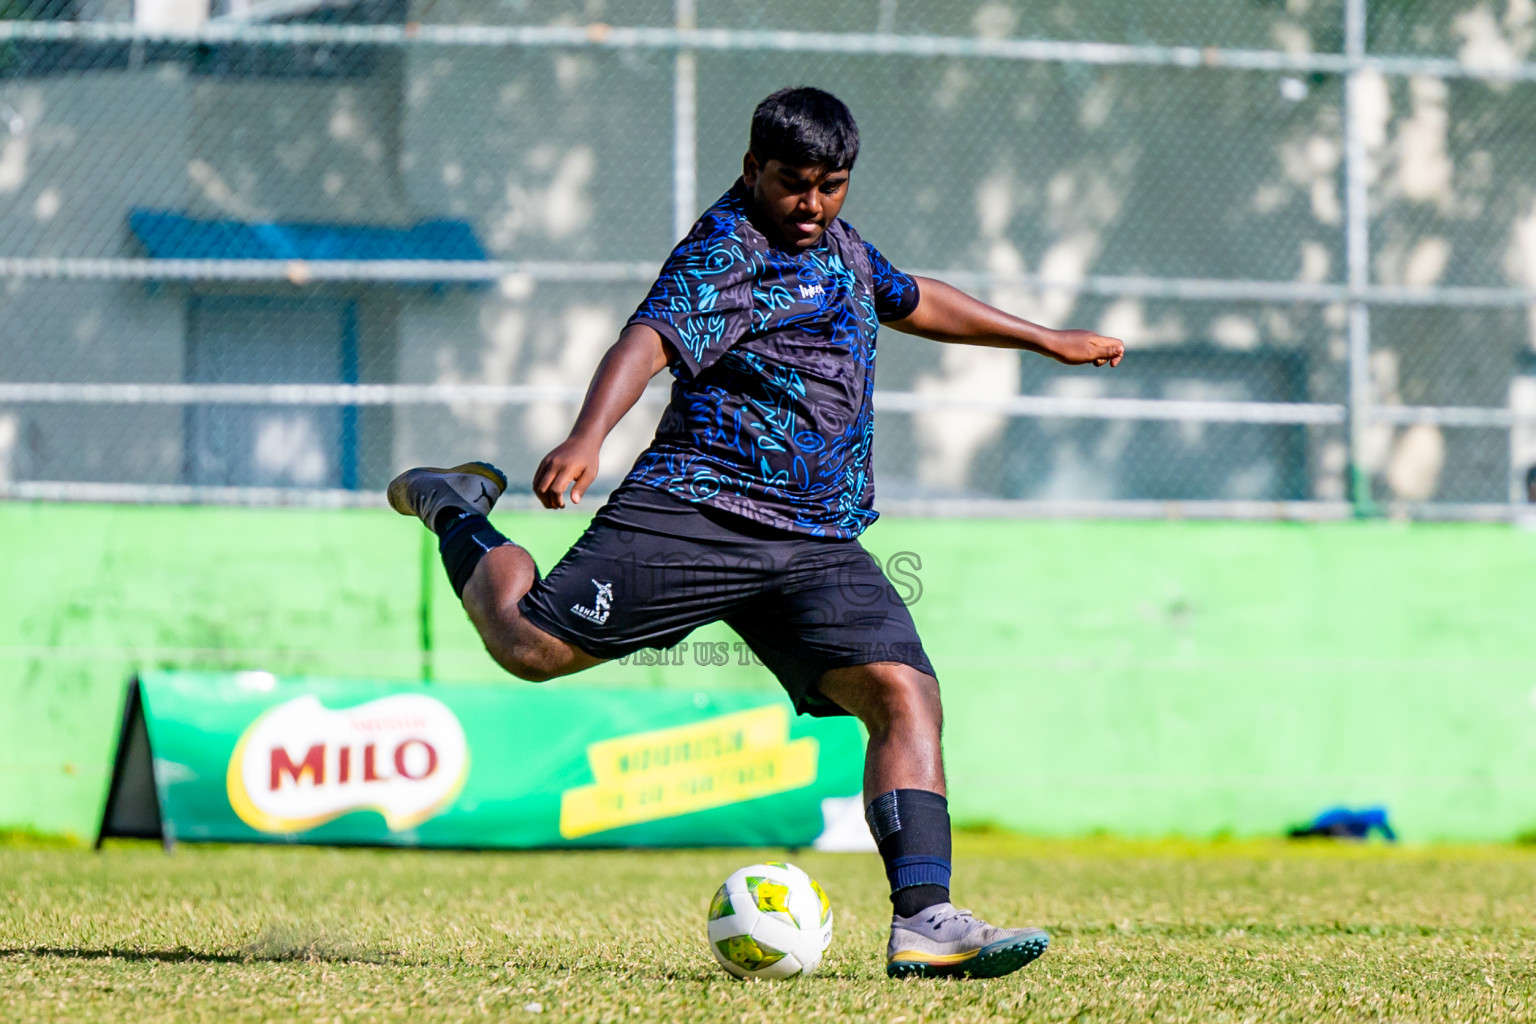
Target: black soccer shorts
[651, 568]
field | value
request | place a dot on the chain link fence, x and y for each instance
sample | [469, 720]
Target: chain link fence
[271, 251]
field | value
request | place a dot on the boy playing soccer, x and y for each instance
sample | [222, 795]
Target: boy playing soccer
[748, 504]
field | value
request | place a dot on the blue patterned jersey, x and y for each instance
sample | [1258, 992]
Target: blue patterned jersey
[771, 416]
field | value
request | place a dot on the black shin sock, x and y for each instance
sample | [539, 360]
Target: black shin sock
[911, 827]
[463, 539]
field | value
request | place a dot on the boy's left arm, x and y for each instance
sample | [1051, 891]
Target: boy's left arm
[945, 313]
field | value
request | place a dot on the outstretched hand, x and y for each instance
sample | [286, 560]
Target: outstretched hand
[573, 464]
[1077, 347]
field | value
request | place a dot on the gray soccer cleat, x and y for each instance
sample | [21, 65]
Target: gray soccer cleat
[945, 942]
[425, 491]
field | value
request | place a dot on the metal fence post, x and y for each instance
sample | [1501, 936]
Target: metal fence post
[1357, 226]
[685, 143]
[427, 574]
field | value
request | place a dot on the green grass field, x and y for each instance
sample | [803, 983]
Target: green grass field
[1166, 931]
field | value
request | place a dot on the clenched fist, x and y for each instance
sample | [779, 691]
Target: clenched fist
[573, 464]
[1077, 347]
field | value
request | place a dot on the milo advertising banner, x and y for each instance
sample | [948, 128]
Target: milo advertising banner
[249, 757]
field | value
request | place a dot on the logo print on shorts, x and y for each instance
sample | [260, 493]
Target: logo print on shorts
[602, 604]
[810, 291]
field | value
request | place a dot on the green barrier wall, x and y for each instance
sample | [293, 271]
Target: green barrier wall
[250, 757]
[1141, 678]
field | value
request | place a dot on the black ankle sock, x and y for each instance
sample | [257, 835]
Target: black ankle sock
[915, 899]
[447, 517]
[463, 541]
[911, 827]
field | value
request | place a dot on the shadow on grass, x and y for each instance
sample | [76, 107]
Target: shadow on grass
[274, 945]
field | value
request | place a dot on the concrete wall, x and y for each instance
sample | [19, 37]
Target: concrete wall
[93, 148]
[1139, 678]
[1055, 169]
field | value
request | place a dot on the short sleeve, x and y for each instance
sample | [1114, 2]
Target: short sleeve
[701, 302]
[895, 292]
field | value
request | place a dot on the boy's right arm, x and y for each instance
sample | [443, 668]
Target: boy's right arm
[621, 377]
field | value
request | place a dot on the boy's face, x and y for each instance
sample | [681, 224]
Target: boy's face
[794, 204]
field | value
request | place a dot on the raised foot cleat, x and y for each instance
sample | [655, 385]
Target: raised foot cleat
[425, 491]
[944, 942]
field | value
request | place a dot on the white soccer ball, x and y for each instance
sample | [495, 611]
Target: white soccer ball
[770, 921]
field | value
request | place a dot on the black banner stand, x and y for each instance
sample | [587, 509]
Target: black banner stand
[133, 808]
